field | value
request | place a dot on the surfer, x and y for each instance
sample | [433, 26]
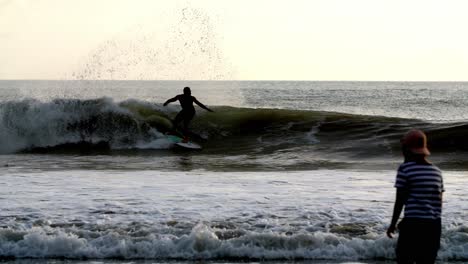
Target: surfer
[419, 190]
[187, 113]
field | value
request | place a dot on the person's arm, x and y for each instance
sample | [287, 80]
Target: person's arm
[201, 105]
[401, 197]
[170, 101]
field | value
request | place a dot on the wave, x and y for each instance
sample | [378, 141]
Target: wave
[207, 242]
[103, 125]
[31, 124]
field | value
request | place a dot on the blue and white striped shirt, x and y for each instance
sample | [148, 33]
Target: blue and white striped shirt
[425, 185]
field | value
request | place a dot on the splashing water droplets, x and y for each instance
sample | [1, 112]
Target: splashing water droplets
[183, 47]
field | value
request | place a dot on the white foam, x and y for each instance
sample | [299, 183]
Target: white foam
[202, 243]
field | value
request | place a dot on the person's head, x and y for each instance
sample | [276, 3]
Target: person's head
[187, 91]
[414, 145]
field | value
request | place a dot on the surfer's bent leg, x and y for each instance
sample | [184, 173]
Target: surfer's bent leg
[188, 116]
[179, 117]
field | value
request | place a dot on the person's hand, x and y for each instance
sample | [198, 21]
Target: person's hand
[391, 230]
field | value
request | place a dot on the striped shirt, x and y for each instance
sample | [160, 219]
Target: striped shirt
[425, 185]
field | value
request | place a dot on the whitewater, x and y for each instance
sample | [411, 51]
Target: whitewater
[290, 171]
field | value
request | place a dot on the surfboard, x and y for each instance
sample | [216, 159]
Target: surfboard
[189, 145]
[178, 141]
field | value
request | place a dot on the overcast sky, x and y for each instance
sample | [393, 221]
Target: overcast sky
[408, 40]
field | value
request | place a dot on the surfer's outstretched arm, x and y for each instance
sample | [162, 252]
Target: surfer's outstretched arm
[201, 105]
[170, 101]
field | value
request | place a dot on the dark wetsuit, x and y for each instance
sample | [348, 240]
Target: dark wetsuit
[188, 111]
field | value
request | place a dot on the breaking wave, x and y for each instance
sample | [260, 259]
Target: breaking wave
[208, 242]
[103, 124]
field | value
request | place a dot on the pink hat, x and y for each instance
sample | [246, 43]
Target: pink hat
[416, 141]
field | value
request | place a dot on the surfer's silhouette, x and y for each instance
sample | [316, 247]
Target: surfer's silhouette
[187, 113]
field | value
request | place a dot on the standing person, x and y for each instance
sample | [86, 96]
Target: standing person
[187, 113]
[419, 186]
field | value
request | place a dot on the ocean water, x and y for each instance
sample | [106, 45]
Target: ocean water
[289, 171]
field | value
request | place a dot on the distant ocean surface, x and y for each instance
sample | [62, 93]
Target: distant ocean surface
[289, 171]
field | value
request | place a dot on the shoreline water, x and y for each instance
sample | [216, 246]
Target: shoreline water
[296, 215]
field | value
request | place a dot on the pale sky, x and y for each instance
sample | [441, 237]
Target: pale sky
[394, 40]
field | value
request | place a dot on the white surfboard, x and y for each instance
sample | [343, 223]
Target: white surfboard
[178, 141]
[189, 145]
